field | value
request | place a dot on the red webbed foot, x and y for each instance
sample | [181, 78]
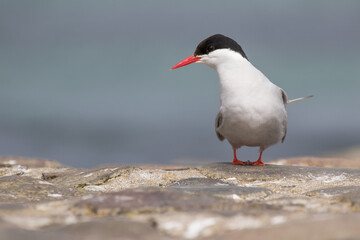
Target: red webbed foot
[258, 162]
[237, 162]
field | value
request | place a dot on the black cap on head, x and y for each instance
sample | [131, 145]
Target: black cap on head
[218, 41]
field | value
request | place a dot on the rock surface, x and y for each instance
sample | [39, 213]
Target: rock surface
[41, 199]
[335, 161]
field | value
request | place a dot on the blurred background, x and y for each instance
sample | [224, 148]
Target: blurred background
[88, 82]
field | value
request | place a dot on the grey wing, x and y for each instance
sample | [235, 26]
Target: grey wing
[285, 125]
[284, 97]
[218, 123]
[285, 101]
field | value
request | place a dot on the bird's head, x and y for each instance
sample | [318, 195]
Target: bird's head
[213, 51]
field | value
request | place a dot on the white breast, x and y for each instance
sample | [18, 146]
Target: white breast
[253, 112]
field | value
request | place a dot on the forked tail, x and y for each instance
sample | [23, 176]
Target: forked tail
[299, 99]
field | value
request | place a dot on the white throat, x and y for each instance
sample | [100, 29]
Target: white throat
[238, 78]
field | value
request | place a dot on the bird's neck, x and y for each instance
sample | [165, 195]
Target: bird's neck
[238, 78]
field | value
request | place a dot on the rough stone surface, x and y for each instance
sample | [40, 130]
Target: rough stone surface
[329, 227]
[41, 199]
[349, 194]
[213, 187]
[333, 161]
[149, 200]
[19, 189]
[80, 178]
[106, 228]
[274, 172]
[28, 162]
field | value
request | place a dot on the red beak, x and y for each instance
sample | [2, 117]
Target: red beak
[186, 61]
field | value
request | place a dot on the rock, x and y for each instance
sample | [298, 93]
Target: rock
[110, 228]
[321, 227]
[283, 180]
[28, 162]
[218, 200]
[213, 187]
[135, 177]
[346, 194]
[184, 195]
[20, 189]
[80, 178]
[204, 224]
[332, 162]
[150, 200]
[274, 172]
[106, 228]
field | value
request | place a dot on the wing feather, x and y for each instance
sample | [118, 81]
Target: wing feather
[285, 101]
[218, 123]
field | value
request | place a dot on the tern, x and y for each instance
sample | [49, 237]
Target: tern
[252, 109]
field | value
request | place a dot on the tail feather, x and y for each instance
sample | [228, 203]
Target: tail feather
[298, 99]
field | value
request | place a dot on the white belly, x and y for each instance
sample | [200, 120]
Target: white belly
[252, 108]
[261, 126]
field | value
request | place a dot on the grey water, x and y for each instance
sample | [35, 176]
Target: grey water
[88, 82]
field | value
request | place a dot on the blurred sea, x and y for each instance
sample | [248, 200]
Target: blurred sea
[88, 82]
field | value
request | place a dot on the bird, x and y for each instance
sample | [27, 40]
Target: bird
[252, 109]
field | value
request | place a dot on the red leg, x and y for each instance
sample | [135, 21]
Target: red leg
[258, 162]
[236, 161]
